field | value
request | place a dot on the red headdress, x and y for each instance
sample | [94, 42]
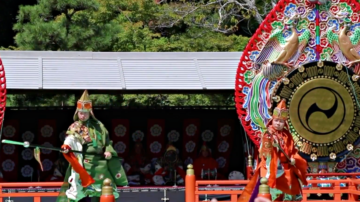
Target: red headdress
[84, 104]
[281, 111]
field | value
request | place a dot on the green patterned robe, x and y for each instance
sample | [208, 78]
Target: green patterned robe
[94, 160]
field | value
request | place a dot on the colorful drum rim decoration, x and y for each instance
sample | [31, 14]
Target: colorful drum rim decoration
[323, 114]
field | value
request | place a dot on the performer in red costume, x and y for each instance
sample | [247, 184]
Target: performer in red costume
[204, 162]
[284, 172]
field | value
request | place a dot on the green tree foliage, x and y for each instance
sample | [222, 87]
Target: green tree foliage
[65, 25]
[8, 12]
[114, 25]
[118, 25]
[130, 100]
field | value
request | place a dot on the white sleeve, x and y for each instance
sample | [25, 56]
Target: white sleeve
[73, 142]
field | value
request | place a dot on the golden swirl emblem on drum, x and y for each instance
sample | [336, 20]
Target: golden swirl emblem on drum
[321, 110]
[323, 114]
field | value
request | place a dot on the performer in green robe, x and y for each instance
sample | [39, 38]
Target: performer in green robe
[86, 172]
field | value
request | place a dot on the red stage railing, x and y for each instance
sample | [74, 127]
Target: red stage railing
[192, 188]
[335, 190]
[36, 195]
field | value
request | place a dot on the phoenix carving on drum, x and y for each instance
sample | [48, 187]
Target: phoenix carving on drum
[278, 55]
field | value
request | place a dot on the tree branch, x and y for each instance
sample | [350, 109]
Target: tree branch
[228, 13]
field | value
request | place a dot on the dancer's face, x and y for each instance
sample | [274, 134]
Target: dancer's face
[278, 124]
[83, 116]
[205, 153]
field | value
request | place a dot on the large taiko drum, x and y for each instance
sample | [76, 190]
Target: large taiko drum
[323, 112]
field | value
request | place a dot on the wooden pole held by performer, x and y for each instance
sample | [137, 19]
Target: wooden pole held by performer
[107, 192]
[190, 184]
[249, 168]
[264, 189]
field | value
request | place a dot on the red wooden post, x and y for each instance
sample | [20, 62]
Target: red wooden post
[264, 189]
[190, 184]
[107, 192]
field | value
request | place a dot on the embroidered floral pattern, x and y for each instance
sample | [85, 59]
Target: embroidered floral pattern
[155, 147]
[173, 136]
[225, 130]
[9, 131]
[120, 130]
[155, 130]
[46, 131]
[8, 165]
[27, 171]
[221, 162]
[28, 136]
[191, 130]
[190, 146]
[223, 146]
[47, 164]
[27, 154]
[8, 149]
[120, 147]
[46, 151]
[138, 135]
[207, 135]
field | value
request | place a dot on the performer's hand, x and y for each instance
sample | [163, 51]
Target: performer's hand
[271, 130]
[275, 143]
[65, 149]
[107, 155]
[292, 161]
[262, 199]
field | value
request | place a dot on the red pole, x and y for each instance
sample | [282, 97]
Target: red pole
[107, 192]
[189, 184]
[264, 189]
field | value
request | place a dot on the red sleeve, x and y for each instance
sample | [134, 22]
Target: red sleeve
[215, 163]
[197, 169]
[160, 172]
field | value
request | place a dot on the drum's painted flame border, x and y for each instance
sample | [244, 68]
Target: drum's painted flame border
[2, 94]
